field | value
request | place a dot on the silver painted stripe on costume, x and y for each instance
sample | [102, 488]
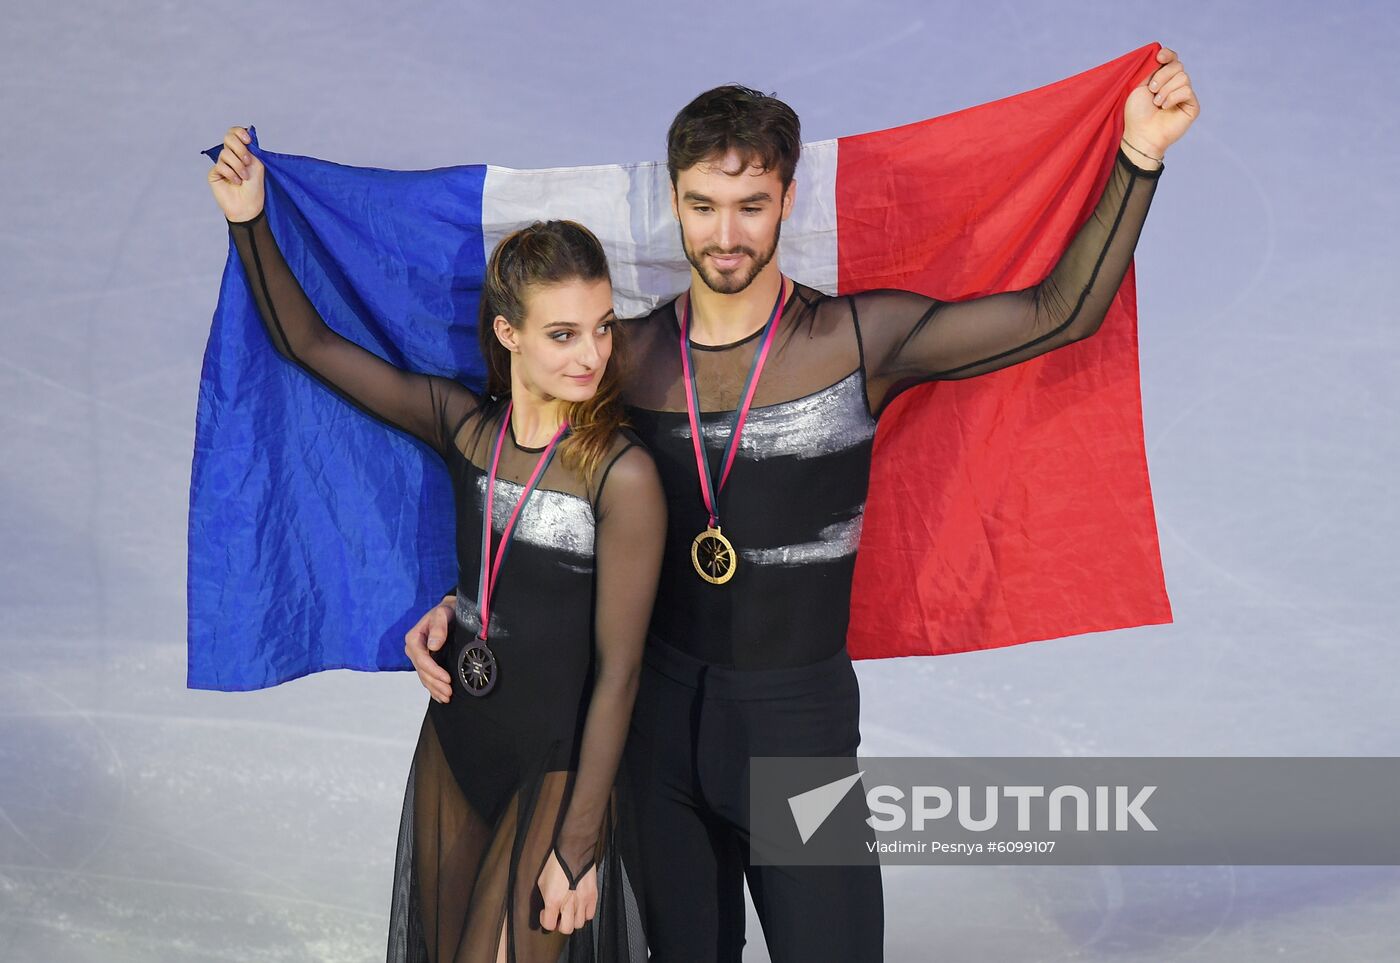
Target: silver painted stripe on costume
[837, 540]
[551, 519]
[628, 206]
[828, 421]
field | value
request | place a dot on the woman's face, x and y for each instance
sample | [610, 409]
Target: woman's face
[562, 347]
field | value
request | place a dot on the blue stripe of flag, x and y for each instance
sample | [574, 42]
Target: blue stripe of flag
[304, 553]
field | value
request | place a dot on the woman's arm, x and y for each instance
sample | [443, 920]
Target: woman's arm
[628, 543]
[426, 406]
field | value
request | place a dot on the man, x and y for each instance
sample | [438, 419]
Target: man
[783, 384]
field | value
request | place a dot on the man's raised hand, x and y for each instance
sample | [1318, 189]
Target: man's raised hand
[1160, 109]
[427, 637]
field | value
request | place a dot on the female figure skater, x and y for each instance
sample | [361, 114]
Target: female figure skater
[513, 832]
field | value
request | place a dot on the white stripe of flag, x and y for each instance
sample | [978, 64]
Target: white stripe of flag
[629, 207]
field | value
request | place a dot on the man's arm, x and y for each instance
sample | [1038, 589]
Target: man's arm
[908, 338]
[427, 637]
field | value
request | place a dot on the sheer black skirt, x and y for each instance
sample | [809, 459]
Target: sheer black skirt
[475, 834]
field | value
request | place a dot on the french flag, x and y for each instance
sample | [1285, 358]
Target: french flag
[1006, 508]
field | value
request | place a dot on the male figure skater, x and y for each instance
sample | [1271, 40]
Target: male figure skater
[758, 398]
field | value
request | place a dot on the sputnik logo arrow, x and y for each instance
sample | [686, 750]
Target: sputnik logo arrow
[810, 808]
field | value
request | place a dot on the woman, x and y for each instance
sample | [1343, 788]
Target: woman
[513, 831]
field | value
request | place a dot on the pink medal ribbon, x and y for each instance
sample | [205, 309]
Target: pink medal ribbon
[711, 552]
[476, 665]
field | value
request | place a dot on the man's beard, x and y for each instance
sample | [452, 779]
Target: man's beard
[733, 282]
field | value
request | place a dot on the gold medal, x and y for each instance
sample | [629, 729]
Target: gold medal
[713, 556]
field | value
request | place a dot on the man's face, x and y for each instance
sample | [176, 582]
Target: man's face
[730, 217]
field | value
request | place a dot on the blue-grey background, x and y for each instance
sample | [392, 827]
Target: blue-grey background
[140, 821]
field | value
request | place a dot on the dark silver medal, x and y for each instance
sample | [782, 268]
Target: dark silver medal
[476, 668]
[476, 664]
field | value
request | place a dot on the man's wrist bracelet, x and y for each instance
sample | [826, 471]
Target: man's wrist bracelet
[1142, 152]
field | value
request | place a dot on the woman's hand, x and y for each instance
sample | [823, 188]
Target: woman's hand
[237, 178]
[566, 910]
[424, 639]
[1158, 111]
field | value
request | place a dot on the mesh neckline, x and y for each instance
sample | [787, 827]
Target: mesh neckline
[696, 345]
[518, 445]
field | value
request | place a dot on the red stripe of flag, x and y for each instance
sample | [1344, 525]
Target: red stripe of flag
[1014, 506]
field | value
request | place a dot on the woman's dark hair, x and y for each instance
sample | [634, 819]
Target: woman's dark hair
[764, 130]
[549, 252]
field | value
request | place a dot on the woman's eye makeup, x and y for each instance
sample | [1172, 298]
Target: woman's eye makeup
[562, 334]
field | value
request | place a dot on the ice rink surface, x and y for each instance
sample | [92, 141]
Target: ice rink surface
[141, 821]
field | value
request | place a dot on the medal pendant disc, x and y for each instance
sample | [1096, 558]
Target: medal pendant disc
[713, 556]
[476, 668]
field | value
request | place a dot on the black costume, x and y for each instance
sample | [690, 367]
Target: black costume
[498, 780]
[793, 507]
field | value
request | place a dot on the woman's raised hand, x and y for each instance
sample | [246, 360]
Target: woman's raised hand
[237, 178]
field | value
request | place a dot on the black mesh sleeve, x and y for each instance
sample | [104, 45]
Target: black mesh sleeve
[907, 337]
[629, 537]
[426, 406]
